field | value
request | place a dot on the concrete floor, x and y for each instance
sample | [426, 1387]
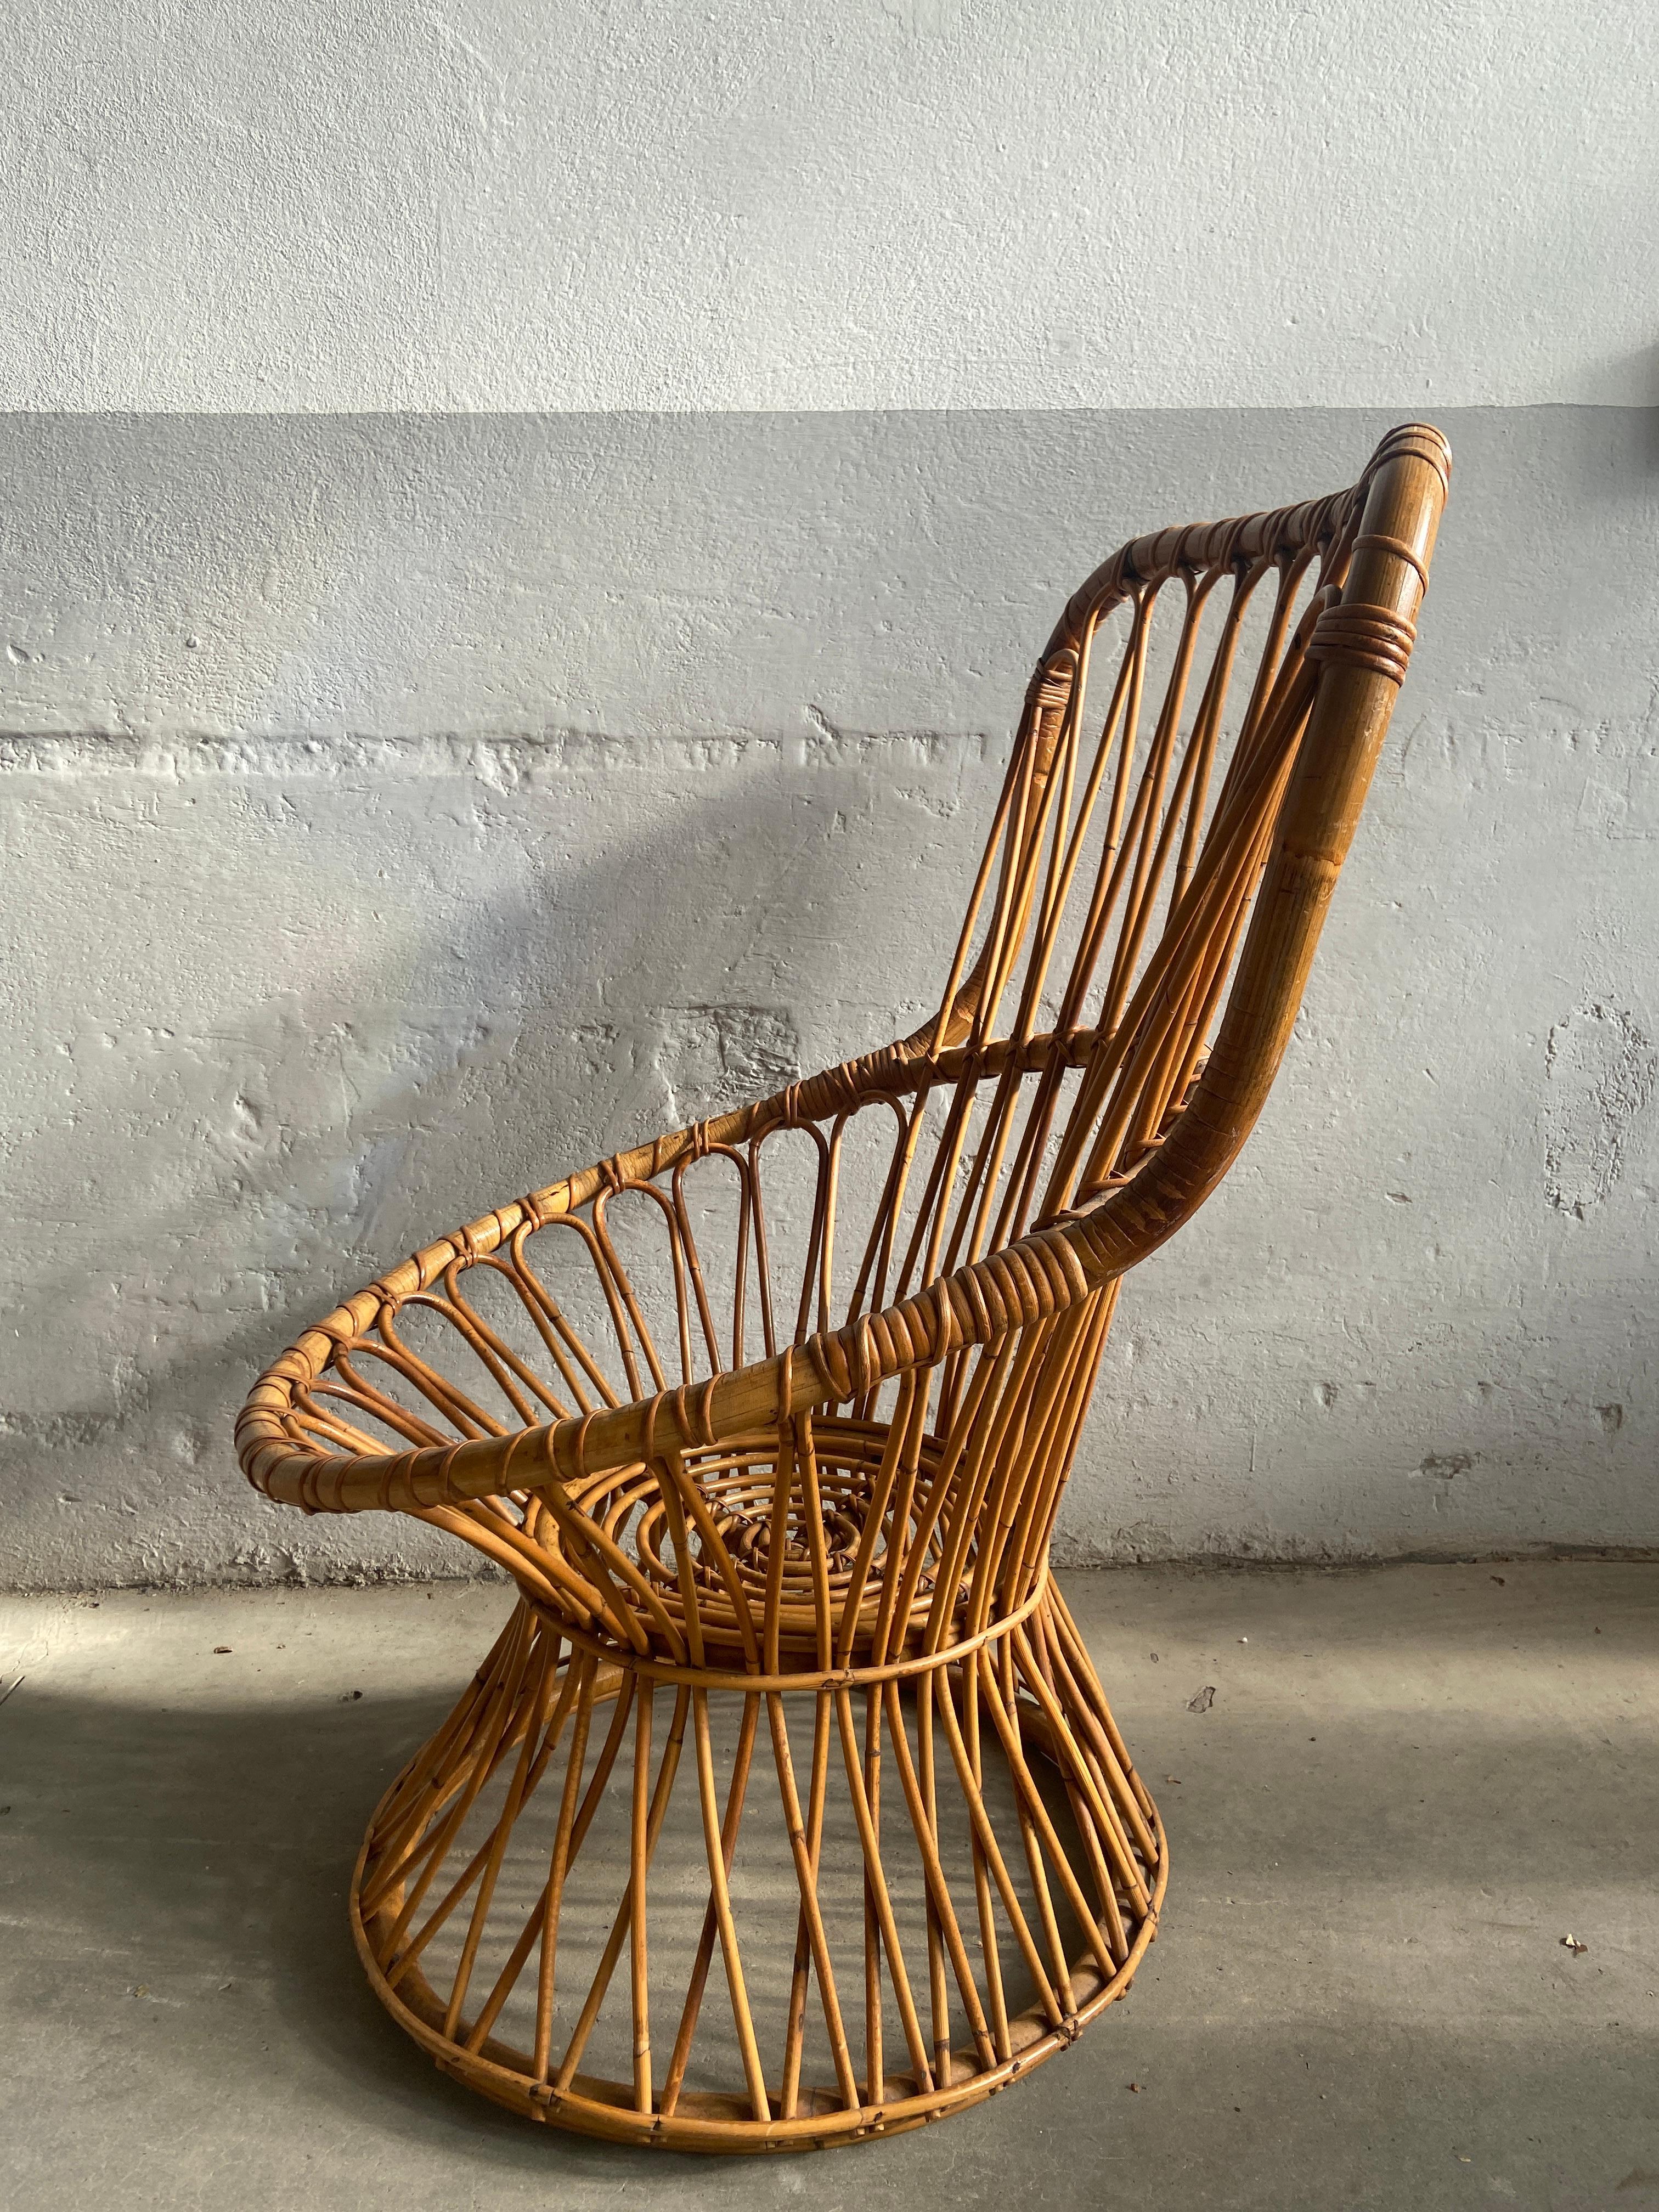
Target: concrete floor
[1412, 1782]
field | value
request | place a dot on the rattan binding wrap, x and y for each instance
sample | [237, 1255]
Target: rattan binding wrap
[789, 1779]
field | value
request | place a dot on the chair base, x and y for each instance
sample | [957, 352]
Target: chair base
[919, 1888]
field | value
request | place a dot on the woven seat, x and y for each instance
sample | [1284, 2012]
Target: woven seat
[787, 1809]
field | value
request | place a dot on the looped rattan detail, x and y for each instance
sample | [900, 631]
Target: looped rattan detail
[1417, 441]
[788, 1808]
[1364, 637]
[1380, 542]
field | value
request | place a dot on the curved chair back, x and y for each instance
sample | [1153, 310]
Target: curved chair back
[1195, 747]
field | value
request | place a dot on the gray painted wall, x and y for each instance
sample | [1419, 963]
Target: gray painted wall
[400, 811]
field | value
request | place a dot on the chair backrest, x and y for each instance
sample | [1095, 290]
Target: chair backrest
[1212, 697]
[1195, 747]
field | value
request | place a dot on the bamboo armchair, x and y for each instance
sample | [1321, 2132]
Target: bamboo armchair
[788, 1700]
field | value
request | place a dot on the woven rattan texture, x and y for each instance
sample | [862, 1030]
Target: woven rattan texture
[787, 1809]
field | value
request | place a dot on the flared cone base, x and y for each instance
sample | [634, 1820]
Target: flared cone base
[734, 1918]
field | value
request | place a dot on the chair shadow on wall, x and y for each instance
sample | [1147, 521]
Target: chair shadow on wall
[507, 1101]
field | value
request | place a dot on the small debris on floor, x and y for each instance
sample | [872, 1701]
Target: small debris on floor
[1203, 1701]
[1135, 2088]
[1498, 1579]
[1243, 1639]
[1152, 1656]
[350, 1697]
[1175, 1778]
[1572, 1944]
[222, 1650]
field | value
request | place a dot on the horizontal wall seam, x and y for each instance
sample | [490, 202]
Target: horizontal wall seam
[492, 755]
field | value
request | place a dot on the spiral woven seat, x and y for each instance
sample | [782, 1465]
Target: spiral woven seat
[787, 1809]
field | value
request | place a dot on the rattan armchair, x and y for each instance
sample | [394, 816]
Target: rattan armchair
[788, 1700]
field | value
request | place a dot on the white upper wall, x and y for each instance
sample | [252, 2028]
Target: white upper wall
[546, 205]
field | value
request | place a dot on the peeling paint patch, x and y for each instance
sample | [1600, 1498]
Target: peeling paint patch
[1440, 1470]
[1441, 1467]
[1601, 1067]
[57, 1432]
[671, 1065]
[714, 1056]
